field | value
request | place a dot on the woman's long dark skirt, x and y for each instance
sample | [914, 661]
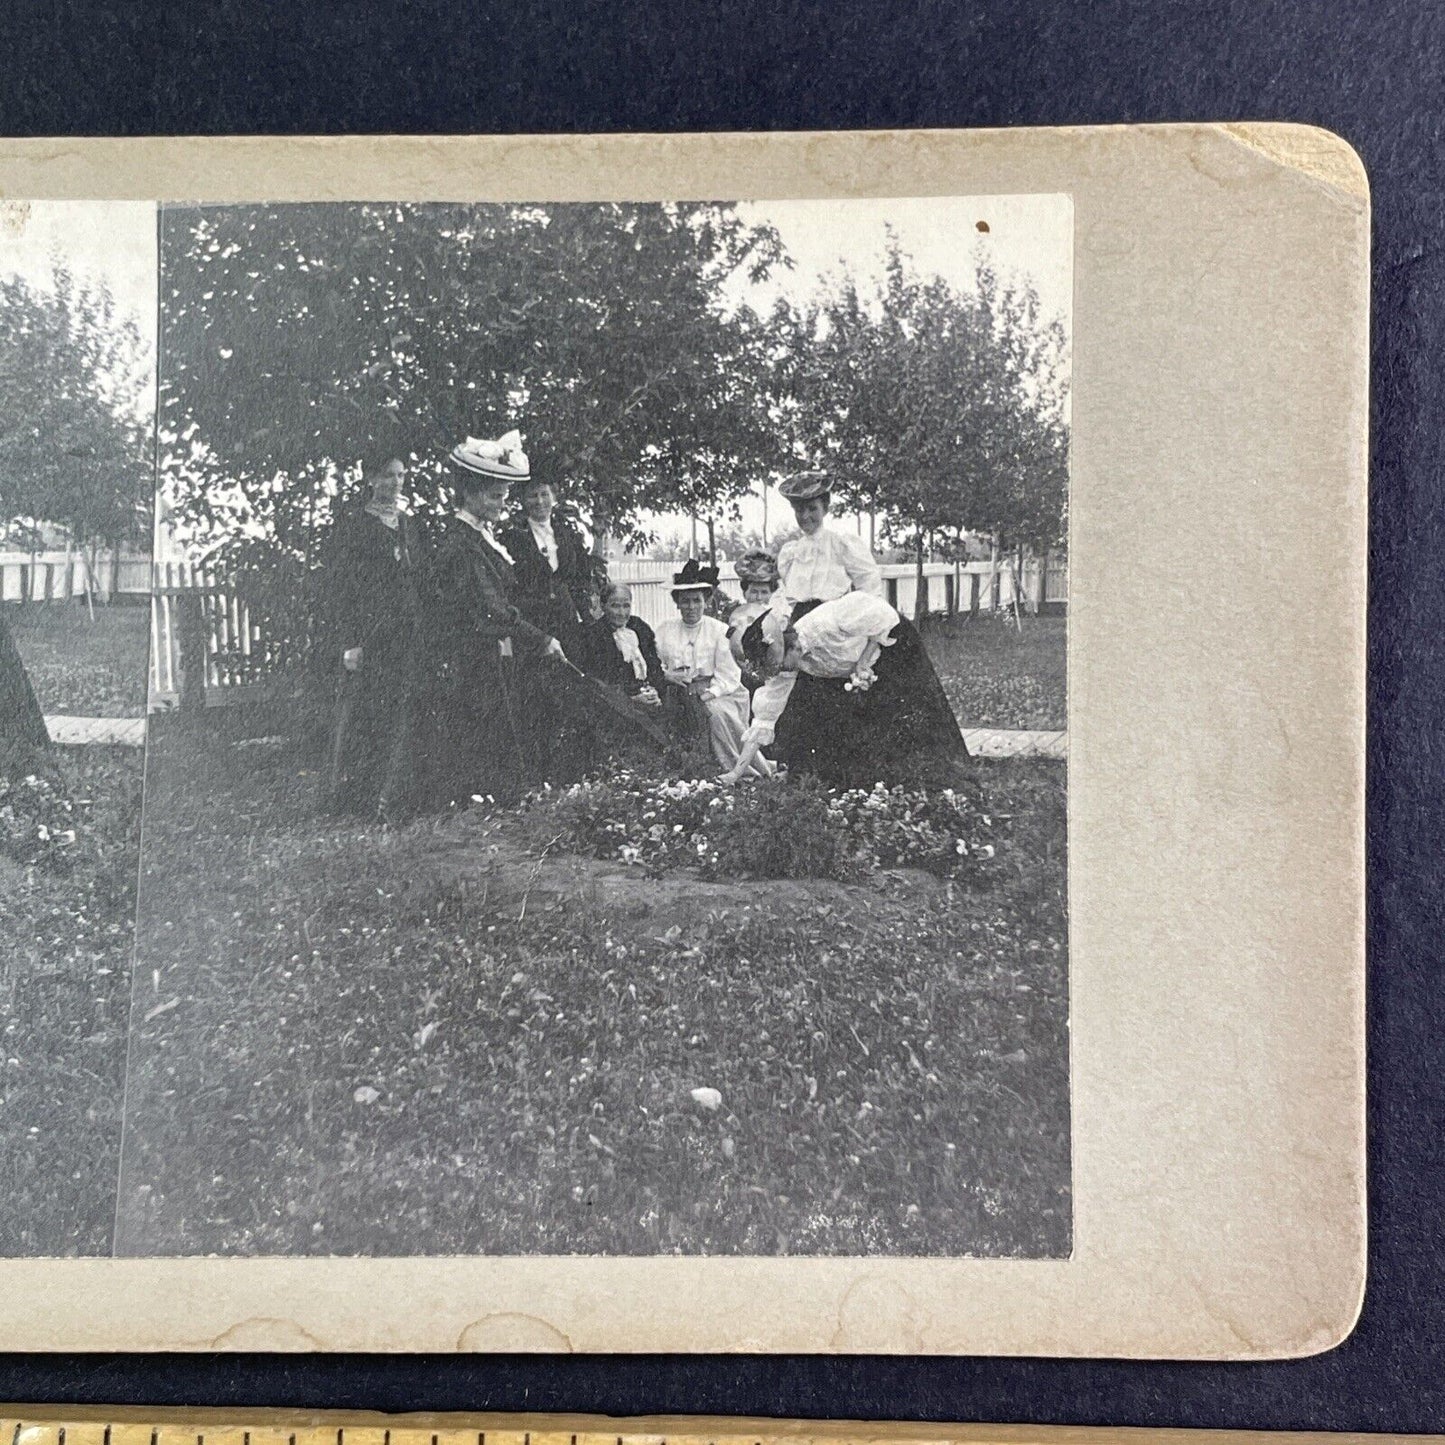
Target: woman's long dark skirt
[902, 730]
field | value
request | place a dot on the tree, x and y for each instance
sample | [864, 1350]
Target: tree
[943, 408]
[298, 340]
[74, 429]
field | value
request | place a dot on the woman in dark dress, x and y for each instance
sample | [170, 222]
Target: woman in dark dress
[851, 696]
[621, 649]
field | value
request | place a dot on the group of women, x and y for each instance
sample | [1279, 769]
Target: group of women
[458, 653]
[813, 670]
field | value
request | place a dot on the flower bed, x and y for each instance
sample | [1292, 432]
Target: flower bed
[773, 829]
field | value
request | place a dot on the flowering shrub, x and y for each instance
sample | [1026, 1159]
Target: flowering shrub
[773, 829]
[39, 823]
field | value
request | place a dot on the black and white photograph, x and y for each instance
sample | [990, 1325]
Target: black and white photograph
[600, 676]
[606, 780]
[77, 481]
[622, 744]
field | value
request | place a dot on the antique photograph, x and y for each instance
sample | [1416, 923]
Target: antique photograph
[606, 781]
[77, 481]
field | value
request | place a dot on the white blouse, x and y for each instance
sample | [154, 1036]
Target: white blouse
[700, 651]
[828, 564]
[832, 638]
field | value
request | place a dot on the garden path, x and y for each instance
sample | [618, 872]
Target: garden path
[982, 742]
[111, 731]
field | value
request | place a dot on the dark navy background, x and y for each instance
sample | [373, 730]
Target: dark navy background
[1374, 72]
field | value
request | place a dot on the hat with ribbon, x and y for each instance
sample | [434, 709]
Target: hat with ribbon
[804, 486]
[694, 577]
[502, 459]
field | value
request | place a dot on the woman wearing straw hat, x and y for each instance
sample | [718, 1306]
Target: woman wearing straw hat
[483, 746]
[822, 564]
[758, 577]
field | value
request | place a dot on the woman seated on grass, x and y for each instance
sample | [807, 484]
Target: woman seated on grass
[621, 649]
[850, 696]
[705, 690]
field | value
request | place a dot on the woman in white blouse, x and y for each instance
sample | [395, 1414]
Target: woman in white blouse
[858, 699]
[822, 564]
[703, 676]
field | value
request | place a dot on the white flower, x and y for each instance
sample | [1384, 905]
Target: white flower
[708, 1099]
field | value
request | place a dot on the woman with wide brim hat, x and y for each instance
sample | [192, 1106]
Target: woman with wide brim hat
[705, 692]
[822, 564]
[485, 745]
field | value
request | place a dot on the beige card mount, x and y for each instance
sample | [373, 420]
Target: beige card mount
[1216, 652]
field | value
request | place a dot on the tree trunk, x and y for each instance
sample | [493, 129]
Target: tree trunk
[711, 543]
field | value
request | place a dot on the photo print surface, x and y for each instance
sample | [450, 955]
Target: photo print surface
[608, 791]
[77, 482]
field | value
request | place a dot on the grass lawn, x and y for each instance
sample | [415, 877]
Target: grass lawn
[998, 676]
[64, 997]
[446, 1039]
[82, 667]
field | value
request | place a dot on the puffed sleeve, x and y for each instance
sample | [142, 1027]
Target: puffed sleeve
[768, 704]
[860, 564]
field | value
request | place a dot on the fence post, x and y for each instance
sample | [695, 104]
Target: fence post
[191, 635]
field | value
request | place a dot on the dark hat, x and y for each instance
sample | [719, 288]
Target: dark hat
[804, 486]
[694, 577]
[757, 566]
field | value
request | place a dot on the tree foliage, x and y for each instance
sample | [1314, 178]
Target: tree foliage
[299, 340]
[945, 410]
[75, 436]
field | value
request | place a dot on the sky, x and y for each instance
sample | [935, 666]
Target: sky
[1027, 236]
[113, 241]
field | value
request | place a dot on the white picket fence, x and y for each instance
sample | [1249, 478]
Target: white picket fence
[55, 576]
[951, 587]
[237, 655]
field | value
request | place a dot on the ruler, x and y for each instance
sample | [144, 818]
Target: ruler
[55, 1425]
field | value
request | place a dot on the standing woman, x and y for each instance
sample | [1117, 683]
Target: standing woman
[552, 568]
[704, 681]
[551, 576]
[822, 564]
[372, 641]
[484, 744]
